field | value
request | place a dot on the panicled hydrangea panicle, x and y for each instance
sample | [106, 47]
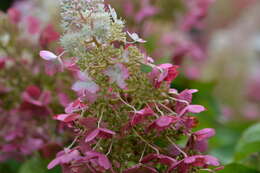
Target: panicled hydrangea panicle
[125, 119]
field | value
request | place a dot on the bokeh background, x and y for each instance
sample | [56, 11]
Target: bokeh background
[219, 54]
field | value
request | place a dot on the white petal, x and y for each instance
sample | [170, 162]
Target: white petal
[47, 55]
[135, 37]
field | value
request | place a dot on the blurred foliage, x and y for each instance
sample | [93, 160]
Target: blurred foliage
[5, 4]
[237, 168]
[32, 165]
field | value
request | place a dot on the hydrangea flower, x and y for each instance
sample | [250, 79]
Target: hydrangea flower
[123, 98]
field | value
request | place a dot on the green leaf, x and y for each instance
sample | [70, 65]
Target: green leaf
[10, 166]
[33, 165]
[249, 143]
[237, 168]
[37, 165]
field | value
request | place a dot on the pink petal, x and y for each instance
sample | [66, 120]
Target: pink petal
[67, 117]
[104, 162]
[196, 108]
[54, 163]
[164, 121]
[47, 55]
[92, 135]
[75, 106]
[69, 156]
[106, 133]
[204, 134]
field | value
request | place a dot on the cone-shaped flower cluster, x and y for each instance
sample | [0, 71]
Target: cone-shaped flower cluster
[126, 118]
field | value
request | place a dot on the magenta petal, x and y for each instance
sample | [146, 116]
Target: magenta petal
[187, 94]
[102, 159]
[202, 160]
[204, 134]
[67, 117]
[64, 157]
[53, 163]
[106, 133]
[92, 135]
[140, 115]
[68, 157]
[159, 158]
[210, 160]
[164, 121]
[75, 106]
[104, 162]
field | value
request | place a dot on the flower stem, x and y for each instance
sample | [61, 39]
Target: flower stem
[150, 145]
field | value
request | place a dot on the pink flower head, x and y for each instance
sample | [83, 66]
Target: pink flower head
[75, 106]
[35, 96]
[118, 73]
[98, 160]
[66, 118]
[162, 122]
[140, 168]
[64, 157]
[140, 115]
[159, 158]
[48, 35]
[163, 72]
[99, 133]
[33, 25]
[14, 14]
